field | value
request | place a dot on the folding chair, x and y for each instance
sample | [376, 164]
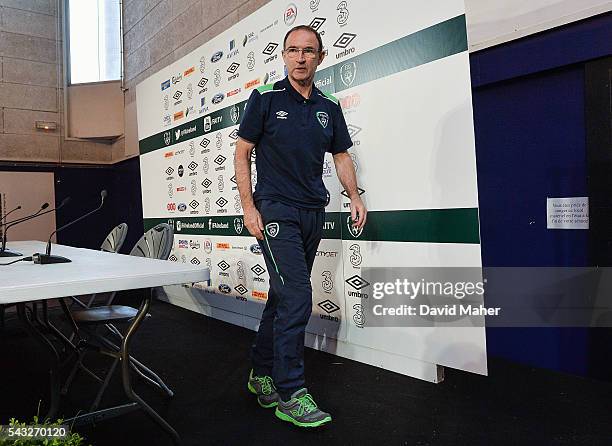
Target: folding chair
[157, 244]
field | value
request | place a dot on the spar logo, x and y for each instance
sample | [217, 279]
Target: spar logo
[317, 23]
[290, 14]
[343, 42]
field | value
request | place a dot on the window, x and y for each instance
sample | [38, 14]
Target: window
[94, 40]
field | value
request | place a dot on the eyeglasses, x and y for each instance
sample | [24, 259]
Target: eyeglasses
[309, 53]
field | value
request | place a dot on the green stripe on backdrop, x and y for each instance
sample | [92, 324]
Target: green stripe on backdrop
[436, 42]
[223, 118]
[426, 226]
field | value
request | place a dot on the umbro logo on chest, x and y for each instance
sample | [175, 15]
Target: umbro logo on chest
[281, 114]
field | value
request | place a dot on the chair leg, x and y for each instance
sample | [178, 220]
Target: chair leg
[104, 385]
[140, 368]
[125, 370]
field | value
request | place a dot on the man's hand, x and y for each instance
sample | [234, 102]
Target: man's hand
[253, 222]
[346, 175]
[358, 212]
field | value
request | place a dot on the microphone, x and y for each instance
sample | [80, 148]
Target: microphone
[10, 212]
[7, 252]
[47, 258]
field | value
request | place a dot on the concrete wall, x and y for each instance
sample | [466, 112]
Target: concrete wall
[31, 87]
[159, 32]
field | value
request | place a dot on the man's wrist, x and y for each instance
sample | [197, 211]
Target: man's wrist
[248, 207]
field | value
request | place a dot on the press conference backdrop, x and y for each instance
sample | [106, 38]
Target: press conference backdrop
[400, 70]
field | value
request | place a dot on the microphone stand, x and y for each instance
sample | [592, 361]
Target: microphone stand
[7, 252]
[9, 213]
[47, 257]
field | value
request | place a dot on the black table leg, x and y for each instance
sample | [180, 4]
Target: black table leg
[54, 382]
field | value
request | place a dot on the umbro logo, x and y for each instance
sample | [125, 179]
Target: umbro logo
[270, 48]
[177, 95]
[345, 40]
[233, 67]
[281, 114]
[317, 22]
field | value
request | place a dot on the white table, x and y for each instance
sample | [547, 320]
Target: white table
[90, 272]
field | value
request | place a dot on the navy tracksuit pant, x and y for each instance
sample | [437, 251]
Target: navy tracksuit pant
[291, 239]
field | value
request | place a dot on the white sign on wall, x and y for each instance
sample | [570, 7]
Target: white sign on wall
[567, 213]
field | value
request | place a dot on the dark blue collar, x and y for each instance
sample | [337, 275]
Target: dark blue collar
[314, 95]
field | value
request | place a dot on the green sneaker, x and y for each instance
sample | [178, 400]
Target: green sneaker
[301, 410]
[263, 387]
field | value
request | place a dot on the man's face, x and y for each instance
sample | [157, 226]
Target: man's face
[301, 68]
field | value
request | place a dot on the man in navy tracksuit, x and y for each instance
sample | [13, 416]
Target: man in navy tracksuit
[292, 125]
